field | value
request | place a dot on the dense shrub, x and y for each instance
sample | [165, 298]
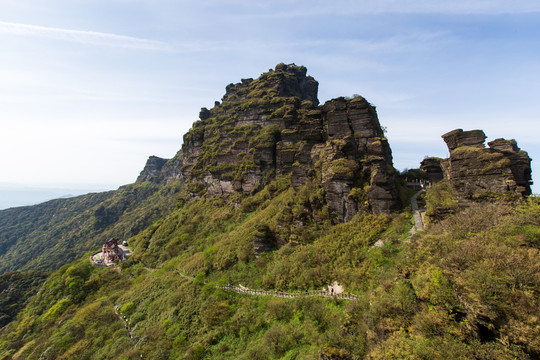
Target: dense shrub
[465, 288]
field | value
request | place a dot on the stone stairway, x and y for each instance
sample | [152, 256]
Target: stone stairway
[417, 214]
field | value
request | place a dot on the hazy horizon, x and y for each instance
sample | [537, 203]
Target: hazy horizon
[16, 195]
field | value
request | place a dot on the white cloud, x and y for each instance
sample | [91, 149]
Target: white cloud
[82, 36]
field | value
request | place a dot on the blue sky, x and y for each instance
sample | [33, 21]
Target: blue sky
[90, 89]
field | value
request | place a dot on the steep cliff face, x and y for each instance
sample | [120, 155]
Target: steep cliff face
[273, 126]
[163, 171]
[152, 169]
[475, 171]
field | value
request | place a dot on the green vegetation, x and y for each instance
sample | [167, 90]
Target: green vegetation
[15, 288]
[28, 234]
[341, 168]
[47, 235]
[413, 174]
[439, 200]
[496, 166]
[467, 151]
[465, 288]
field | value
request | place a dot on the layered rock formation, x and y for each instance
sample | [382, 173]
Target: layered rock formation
[161, 170]
[152, 169]
[475, 171]
[433, 169]
[273, 126]
[459, 138]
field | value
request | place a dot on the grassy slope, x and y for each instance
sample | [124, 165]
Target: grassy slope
[15, 288]
[54, 233]
[466, 288]
[24, 231]
[51, 234]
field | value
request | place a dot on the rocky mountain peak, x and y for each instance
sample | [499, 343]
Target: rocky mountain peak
[282, 82]
[273, 126]
[152, 169]
[159, 170]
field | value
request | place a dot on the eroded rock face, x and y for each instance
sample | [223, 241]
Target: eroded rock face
[475, 172]
[161, 170]
[432, 167]
[273, 126]
[152, 169]
[458, 138]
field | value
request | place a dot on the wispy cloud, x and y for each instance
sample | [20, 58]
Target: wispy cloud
[82, 36]
[298, 8]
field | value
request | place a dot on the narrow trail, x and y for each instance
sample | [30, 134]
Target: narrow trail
[282, 294]
[125, 321]
[417, 214]
[289, 295]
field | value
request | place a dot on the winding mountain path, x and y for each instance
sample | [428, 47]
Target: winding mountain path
[417, 214]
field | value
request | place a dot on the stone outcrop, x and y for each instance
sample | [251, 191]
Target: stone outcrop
[152, 169]
[475, 172]
[161, 170]
[458, 138]
[274, 126]
[433, 169]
